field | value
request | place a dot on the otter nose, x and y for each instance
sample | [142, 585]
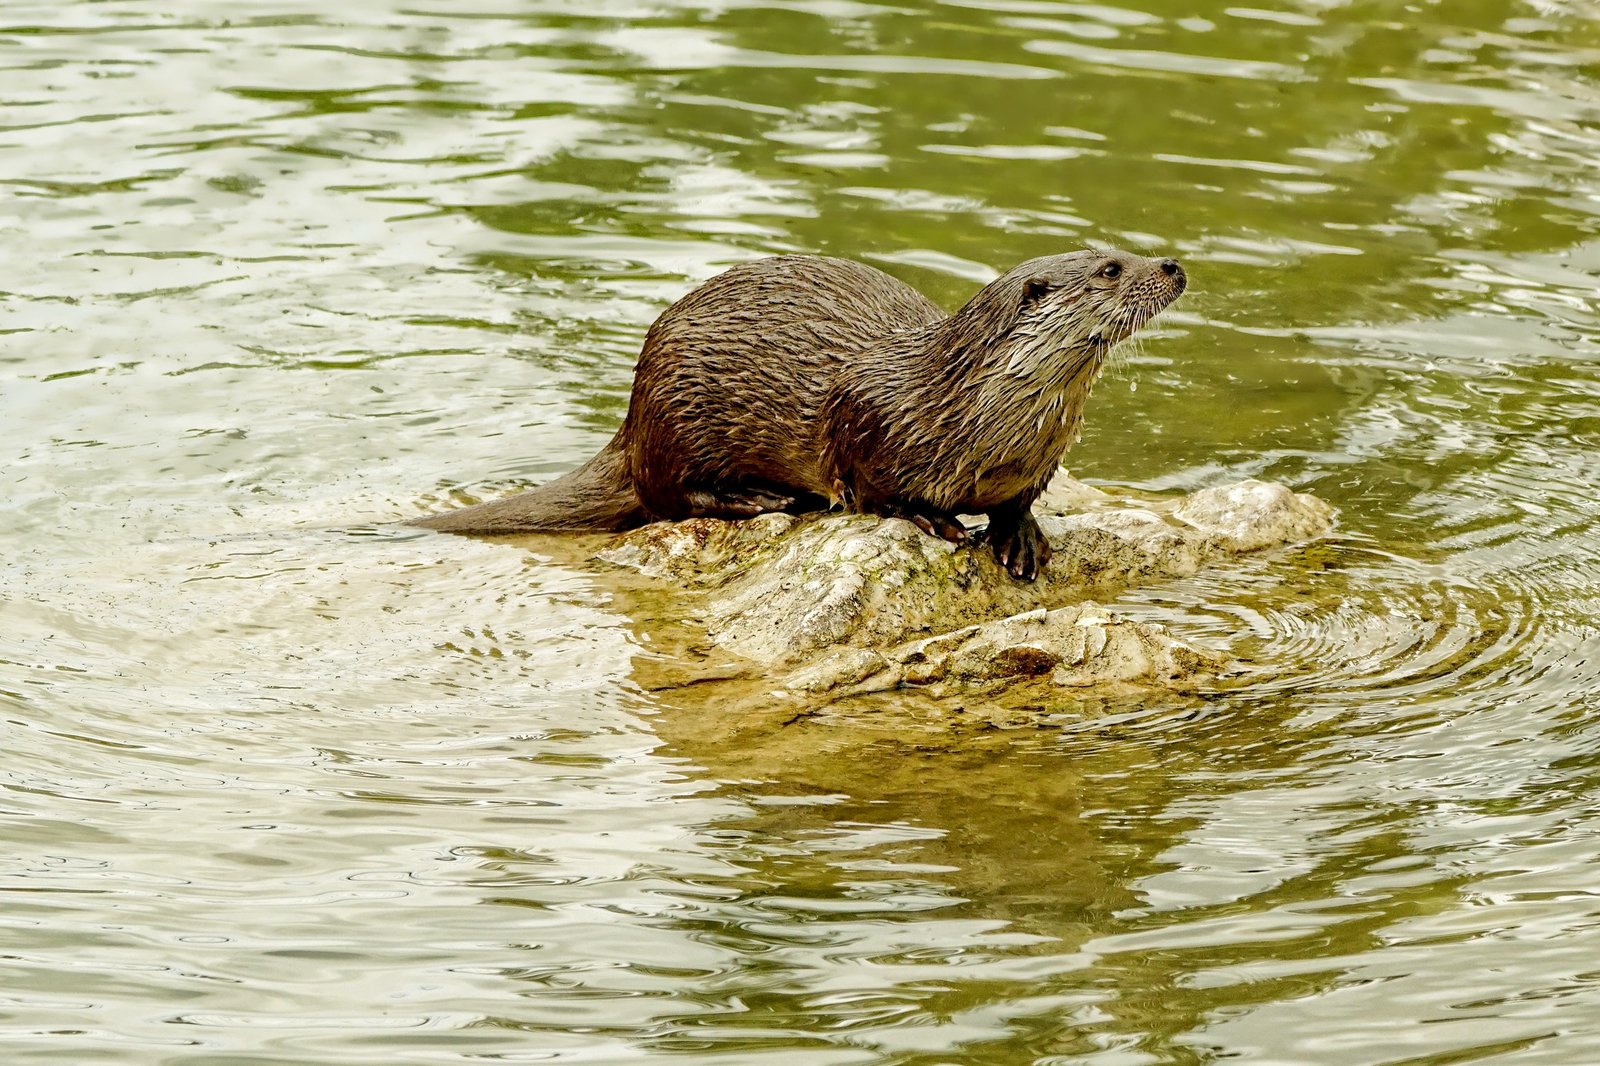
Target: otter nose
[1180, 280]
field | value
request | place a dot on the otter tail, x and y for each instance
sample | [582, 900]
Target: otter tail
[599, 495]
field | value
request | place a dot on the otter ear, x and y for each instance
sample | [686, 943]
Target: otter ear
[1035, 287]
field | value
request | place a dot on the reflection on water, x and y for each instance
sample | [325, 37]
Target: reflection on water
[285, 786]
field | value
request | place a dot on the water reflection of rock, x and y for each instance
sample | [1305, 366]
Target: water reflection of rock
[978, 818]
[917, 857]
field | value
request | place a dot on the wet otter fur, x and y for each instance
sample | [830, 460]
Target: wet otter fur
[792, 382]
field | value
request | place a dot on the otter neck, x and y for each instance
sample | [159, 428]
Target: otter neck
[1026, 406]
[960, 350]
[1038, 384]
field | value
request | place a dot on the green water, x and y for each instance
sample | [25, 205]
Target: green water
[274, 792]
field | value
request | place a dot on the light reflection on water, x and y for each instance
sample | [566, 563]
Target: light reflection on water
[283, 786]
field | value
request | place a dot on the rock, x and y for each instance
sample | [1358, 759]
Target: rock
[699, 551]
[1253, 515]
[847, 604]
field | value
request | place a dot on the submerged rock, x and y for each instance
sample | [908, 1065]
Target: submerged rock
[846, 604]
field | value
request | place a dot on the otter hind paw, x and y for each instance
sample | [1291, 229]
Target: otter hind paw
[933, 523]
[736, 504]
[942, 526]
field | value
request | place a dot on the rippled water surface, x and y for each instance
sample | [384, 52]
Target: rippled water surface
[282, 786]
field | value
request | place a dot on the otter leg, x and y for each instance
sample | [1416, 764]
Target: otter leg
[734, 504]
[1019, 544]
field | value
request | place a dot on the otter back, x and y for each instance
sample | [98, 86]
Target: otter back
[728, 387]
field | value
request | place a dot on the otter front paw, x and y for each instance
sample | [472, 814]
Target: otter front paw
[1019, 546]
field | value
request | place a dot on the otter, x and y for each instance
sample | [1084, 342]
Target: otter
[796, 382]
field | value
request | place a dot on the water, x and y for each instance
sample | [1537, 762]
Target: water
[282, 786]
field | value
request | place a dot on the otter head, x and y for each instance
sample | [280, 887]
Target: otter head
[1096, 298]
[1076, 305]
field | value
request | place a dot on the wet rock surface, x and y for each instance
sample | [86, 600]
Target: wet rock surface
[849, 604]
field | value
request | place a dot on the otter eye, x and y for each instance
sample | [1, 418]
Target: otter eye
[1111, 270]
